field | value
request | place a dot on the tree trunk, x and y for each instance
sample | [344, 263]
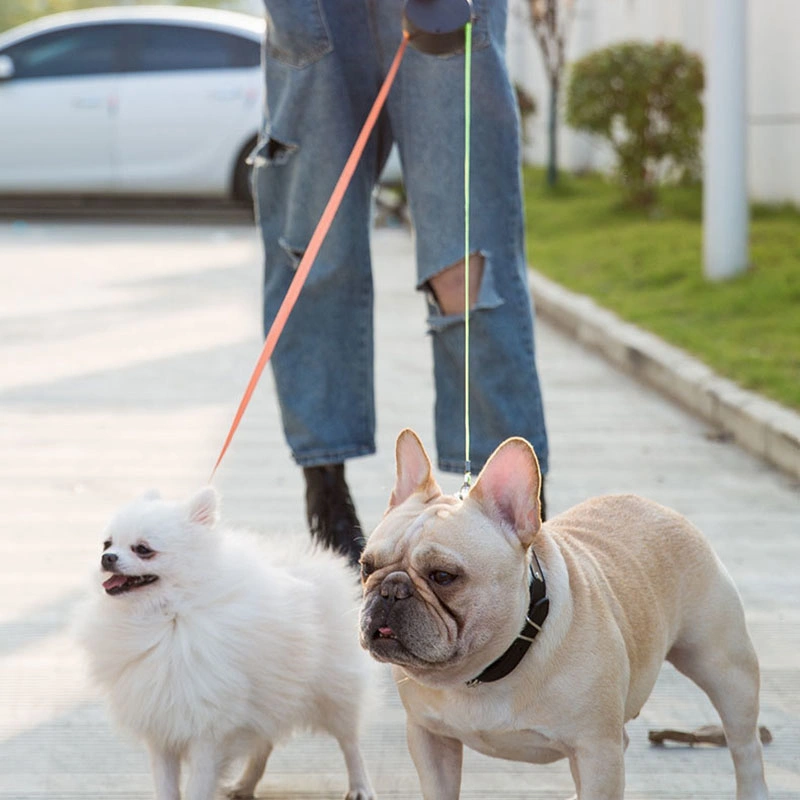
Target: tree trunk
[552, 135]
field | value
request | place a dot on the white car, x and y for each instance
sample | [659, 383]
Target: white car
[132, 100]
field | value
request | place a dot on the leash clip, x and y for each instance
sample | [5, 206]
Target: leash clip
[467, 485]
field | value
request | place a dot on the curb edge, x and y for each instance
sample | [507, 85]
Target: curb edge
[761, 426]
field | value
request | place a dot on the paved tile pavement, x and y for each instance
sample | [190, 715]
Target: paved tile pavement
[124, 350]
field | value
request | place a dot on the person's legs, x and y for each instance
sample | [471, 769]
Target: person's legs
[428, 121]
[321, 78]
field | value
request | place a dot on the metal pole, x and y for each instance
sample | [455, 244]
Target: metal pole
[725, 211]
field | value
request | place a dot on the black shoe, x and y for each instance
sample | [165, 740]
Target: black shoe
[330, 512]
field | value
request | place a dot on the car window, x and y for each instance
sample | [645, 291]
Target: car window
[246, 52]
[157, 48]
[80, 50]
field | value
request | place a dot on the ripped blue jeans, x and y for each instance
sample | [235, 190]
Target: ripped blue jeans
[324, 62]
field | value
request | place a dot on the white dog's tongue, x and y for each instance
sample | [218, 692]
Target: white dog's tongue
[114, 581]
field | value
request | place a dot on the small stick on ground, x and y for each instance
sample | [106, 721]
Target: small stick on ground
[708, 734]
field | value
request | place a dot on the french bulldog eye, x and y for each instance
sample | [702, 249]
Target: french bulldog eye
[106, 544]
[143, 550]
[367, 568]
[442, 578]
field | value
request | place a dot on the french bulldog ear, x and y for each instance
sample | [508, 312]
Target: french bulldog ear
[413, 470]
[203, 508]
[508, 489]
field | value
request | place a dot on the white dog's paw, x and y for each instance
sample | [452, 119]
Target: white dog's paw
[360, 794]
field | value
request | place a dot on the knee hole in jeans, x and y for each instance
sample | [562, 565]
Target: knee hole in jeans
[271, 151]
[447, 286]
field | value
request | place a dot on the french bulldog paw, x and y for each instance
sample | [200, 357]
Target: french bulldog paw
[237, 793]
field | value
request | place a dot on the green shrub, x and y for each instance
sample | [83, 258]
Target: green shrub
[645, 100]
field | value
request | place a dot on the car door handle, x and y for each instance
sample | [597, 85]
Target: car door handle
[88, 102]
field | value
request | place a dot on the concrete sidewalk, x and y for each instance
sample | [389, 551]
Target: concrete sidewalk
[125, 350]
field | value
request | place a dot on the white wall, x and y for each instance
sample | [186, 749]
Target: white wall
[773, 90]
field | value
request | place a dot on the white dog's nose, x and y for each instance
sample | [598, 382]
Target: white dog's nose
[109, 561]
[397, 586]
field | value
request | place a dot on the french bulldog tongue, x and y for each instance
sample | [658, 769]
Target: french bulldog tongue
[385, 631]
[114, 581]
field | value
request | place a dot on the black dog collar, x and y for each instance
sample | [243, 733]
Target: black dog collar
[537, 612]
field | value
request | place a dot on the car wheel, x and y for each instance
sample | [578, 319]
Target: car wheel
[243, 176]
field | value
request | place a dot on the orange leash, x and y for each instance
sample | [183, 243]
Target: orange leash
[320, 232]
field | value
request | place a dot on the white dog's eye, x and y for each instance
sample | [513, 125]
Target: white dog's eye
[106, 544]
[143, 551]
[442, 578]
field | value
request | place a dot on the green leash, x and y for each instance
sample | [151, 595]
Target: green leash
[467, 117]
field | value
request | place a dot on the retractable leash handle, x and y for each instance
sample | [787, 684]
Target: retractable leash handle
[437, 27]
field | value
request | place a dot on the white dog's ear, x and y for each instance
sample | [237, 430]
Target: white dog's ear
[413, 470]
[508, 488]
[204, 507]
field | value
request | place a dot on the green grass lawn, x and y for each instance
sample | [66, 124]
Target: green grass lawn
[647, 267]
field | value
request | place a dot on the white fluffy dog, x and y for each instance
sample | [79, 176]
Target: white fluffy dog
[211, 650]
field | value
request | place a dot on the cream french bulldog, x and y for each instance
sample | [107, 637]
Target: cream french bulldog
[535, 642]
